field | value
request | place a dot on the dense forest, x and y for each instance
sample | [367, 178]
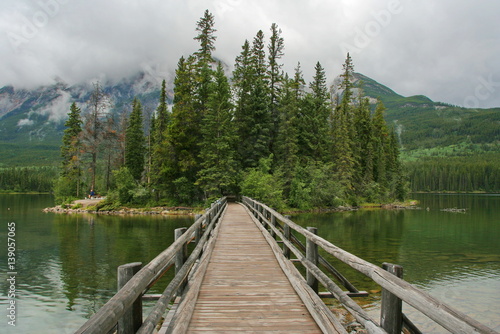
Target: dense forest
[461, 174]
[262, 132]
[27, 179]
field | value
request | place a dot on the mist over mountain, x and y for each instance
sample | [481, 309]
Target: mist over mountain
[32, 121]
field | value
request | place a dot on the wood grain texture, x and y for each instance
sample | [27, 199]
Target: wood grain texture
[244, 289]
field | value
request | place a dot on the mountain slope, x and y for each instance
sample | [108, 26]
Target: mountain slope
[422, 123]
[32, 121]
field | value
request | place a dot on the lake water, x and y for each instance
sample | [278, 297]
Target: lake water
[66, 264]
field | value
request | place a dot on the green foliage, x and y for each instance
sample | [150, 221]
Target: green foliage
[219, 173]
[27, 179]
[314, 187]
[206, 37]
[125, 185]
[462, 174]
[264, 136]
[135, 142]
[259, 184]
[65, 189]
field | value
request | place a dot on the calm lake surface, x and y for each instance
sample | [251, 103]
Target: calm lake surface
[66, 264]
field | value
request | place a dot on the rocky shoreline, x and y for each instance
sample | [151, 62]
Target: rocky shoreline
[124, 211]
[89, 207]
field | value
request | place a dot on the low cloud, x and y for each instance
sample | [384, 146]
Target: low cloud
[440, 49]
[25, 122]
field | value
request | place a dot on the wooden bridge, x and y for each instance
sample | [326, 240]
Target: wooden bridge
[239, 278]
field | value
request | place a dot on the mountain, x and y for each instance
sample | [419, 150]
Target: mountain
[32, 121]
[422, 124]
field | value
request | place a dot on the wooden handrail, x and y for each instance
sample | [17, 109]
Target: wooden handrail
[108, 315]
[443, 314]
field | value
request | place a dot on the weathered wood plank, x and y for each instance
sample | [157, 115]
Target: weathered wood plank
[318, 310]
[107, 317]
[244, 289]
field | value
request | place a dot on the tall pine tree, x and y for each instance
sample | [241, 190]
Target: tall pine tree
[275, 49]
[70, 152]
[314, 124]
[135, 142]
[342, 129]
[218, 174]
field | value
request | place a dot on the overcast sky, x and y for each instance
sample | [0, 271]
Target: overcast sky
[448, 50]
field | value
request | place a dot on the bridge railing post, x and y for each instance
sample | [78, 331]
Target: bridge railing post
[132, 319]
[273, 223]
[181, 256]
[286, 234]
[312, 255]
[199, 231]
[391, 313]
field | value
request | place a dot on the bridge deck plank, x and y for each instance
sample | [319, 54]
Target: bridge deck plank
[244, 288]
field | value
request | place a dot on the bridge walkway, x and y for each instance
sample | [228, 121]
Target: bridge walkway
[244, 288]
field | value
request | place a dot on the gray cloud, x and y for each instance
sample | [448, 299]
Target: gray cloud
[447, 50]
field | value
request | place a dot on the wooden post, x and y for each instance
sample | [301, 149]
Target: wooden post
[286, 235]
[132, 319]
[273, 223]
[180, 257]
[391, 314]
[199, 231]
[312, 255]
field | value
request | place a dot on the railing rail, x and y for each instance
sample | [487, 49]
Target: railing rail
[443, 314]
[106, 318]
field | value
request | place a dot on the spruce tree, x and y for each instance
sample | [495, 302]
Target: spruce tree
[287, 142]
[159, 125]
[162, 117]
[70, 153]
[314, 134]
[260, 130]
[71, 141]
[135, 142]
[218, 174]
[364, 144]
[342, 129]
[206, 37]
[243, 82]
[275, 49]
[183, 135]
[380, 137]
[252, 117]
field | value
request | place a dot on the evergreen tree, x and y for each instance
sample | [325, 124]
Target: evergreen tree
[204, 72]
[364, 144]
[260, 130]
[275, 49]
[380, 137]
[218, 174]
[342, 129]
[162, 117]
[183, 135]
[259, 56]
[159, 125]
[252, 117]
[206, 38]
[314, 123]
[287, 148]
[70, 150]
[71, 141]
[135, 142]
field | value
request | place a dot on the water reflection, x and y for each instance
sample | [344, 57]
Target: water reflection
[67, 263]
[453, 256]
